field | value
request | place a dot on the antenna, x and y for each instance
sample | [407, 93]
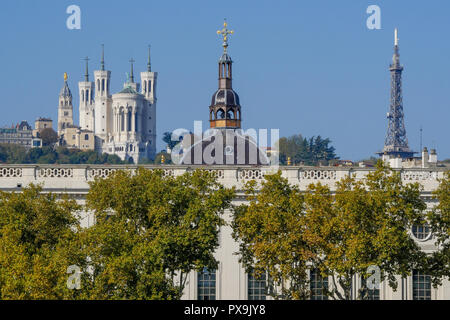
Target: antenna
[396, 37]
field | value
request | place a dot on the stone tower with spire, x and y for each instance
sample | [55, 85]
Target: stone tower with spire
[148, 90]
[65, 107]
[396, 143]
[86, 108]
[103, 102]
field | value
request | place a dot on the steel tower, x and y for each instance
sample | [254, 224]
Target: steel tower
[396, 143]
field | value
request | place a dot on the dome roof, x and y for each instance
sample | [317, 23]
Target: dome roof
[225, 58]
[65, 91]
[128, 90]
[225, 97]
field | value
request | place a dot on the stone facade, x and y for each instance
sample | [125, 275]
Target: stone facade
[231, 279]
[21, 134]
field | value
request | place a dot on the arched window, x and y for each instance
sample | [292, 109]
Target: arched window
[149, 86]
[122, 121]
[145, 86]
[136, 123]
[103, 85]
[220, 114]
[86, 137]
[82, 95]
[230, 114]
[87, 95]
[98, 84]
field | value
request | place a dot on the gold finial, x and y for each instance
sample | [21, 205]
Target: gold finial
[224, 34]
[65, 76]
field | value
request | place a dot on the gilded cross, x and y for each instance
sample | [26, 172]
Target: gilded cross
[224, 34]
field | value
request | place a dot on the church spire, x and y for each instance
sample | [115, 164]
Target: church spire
[86, 74]
[149, 64]
[102, 63]
[131, 71]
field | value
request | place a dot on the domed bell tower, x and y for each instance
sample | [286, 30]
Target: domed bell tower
[225, 109]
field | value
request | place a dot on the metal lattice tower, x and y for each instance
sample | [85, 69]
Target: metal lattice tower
[396, 143]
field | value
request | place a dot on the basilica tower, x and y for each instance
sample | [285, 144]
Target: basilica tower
[86, 109]
[225, 109]
[148, 89]
[103, 102]
[65, 107]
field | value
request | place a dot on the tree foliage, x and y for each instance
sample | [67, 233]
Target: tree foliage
[151, 231]
[49, 136]
[270, 235]
[16, 154]
[312, 151]
[439, 221]
[365, 223]
[37, 233]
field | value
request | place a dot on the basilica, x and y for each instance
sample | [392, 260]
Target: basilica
[123, 123]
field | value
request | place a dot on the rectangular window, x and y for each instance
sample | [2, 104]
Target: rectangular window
[421, 286]
[318, 285]
[369, 294]
[257, 287]
[206, 285]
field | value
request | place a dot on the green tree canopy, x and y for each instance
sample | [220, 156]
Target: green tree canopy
[439, 221]
[37, 233]
[312, 151]
[269, 231]
[151, 231]
[48, 136]
[364, 223]
[10, 153]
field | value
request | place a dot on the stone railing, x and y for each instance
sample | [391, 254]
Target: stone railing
[77, 176]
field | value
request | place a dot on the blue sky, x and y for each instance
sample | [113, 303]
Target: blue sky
[309, 67]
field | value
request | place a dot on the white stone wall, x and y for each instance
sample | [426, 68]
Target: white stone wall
[231, 280]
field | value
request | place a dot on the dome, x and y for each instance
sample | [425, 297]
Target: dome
[225, 58]
[225, 97]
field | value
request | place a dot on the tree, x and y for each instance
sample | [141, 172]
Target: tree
[37, 233]
[366, 223]
[269, 231]
[48, 136]
[151, 231]
[311, 151]
[439, 221]
[167, 138]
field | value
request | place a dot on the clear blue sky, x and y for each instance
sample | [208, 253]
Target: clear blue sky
[309, 67]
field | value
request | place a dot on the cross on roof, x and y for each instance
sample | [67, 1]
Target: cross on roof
[224, 34]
